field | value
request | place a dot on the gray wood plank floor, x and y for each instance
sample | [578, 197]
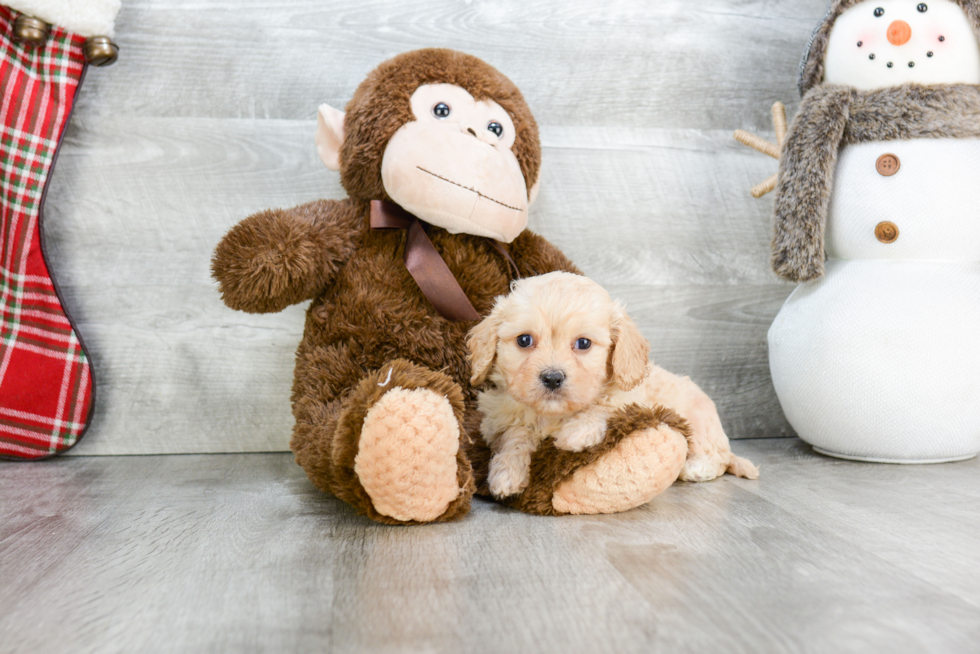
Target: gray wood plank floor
[239, 553]
[209, 115]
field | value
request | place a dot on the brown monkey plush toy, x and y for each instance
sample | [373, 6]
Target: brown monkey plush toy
[440, 156]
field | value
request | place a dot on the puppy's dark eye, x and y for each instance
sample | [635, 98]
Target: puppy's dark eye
[525, 340]
[496, 128]
[583, 344]
[923, 7]
[441, 110]
[879, 12]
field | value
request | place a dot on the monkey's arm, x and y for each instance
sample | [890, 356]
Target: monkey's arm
[279, 257]
[536, 256]
[806, 176]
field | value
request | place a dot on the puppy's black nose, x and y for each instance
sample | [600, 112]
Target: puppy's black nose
[552, 379]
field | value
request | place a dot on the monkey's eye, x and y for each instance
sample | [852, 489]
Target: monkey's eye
[441, 110]
[525, 340]
[583, 344]
[923, 7]
[496, 128]
[879, 12]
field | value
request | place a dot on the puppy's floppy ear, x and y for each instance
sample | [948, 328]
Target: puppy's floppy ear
[482, 344]
[630, 351]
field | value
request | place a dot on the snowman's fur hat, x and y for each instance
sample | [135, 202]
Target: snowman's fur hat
[811, 66]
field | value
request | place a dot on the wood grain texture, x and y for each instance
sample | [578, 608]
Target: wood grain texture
[239, 553]
[208, 117]
[670, 63]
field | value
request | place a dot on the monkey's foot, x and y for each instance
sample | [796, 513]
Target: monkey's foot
[397, 454]
[641, 455]
[636, 470]
[406, 460]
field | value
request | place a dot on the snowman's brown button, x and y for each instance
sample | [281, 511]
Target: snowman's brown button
[888, 165]
[886, 232]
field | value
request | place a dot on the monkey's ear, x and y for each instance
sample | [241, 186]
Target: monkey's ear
[329, 135]
[533, 193]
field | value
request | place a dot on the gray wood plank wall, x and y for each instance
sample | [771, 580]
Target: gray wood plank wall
[209, 116]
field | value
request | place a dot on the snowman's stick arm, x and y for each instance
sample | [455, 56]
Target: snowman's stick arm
[779, 122]
[764, 187]
[754, 142]
[765, 147]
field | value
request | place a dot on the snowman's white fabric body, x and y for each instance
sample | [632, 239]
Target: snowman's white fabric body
[875, 356]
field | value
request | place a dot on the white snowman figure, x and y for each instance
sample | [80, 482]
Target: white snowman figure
[876, 354]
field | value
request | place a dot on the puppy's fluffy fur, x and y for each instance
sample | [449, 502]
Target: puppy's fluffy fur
[563, 357]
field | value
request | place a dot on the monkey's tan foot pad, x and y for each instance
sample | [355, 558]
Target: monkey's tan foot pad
[638, 468]
[406, 458]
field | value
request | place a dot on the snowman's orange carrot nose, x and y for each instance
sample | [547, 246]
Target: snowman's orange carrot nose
[899, 33]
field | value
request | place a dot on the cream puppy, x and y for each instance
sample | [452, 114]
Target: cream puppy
[563, 357]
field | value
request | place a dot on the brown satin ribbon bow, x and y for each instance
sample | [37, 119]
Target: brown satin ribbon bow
[426, 266]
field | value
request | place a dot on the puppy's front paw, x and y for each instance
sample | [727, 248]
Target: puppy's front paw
[582, 434]
[506, 481]
[702, 468]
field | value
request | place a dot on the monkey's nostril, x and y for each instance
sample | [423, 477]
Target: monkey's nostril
[552, 379]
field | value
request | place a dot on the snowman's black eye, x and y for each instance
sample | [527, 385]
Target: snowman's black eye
[496, 128]
[441, 110]
[879, 12]
[524, 340]
[923, 7]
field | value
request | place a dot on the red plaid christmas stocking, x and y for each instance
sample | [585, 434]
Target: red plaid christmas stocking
[46, 383]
